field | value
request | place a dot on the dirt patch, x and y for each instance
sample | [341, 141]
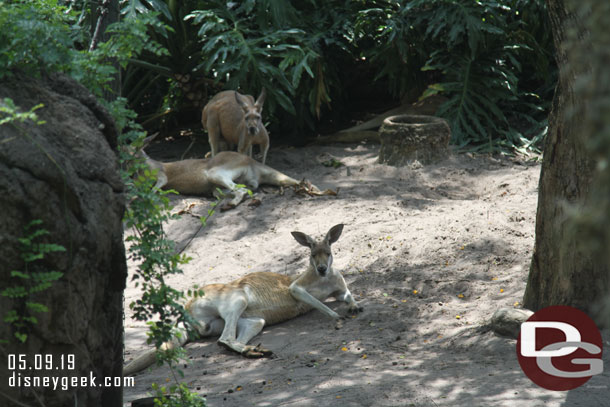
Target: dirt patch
[429, 251]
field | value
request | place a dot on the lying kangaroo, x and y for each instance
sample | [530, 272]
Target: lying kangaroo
[239, 310]
[238, 119]
[225, 170]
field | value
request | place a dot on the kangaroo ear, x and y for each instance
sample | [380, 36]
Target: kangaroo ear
[261, 99]
[303, 239]
[149, 139]
[241, 101]
[333, 234]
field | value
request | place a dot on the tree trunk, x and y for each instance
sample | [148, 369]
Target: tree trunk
[562, 270]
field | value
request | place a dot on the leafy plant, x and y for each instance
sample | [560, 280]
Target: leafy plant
[176, 396]
[11, 113]
[491, 58]
[31, 280]
[388, 37]
[158, 85]
[148, 208]
[35, 36]
[481, 49]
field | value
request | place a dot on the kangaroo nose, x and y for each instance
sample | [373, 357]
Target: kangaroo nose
[321, 269]
[252, 130]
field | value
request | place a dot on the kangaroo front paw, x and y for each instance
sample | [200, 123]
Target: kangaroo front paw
[256, 352]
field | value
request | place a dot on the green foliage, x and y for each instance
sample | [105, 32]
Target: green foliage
[45, 37]
[285, 47]
[176, 396]
[95, 69]
[148, 246]
[478, 53]
[247, 45]
[492, 59]
[388, 38]
[36, 35]
[9, 113]
[151, 80]
[33, 279]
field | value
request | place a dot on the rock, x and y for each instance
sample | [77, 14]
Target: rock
[407, 138]
[507, 321]
[65, 172]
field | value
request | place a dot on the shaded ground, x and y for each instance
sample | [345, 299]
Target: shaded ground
[430, 252]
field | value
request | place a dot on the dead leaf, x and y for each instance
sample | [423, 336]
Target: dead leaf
[186, 209]
[226, 207]
[254, 203]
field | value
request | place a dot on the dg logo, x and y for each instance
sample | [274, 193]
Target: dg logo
[560, 348]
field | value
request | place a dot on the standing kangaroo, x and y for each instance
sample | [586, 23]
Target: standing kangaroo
[237, 118]
[238, 311]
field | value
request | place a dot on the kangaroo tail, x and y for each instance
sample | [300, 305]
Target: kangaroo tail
[147, 358]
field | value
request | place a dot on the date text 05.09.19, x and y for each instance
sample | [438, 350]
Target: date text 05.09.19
[21, 362]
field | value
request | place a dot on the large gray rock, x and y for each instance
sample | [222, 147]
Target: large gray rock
[406, 138]
[64, 172]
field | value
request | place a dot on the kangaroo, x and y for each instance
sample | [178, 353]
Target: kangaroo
[238, 311]
[237, 118]
[224, 170]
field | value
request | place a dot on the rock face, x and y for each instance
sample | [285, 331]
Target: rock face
[65, 173]
[507, 321]
[406, 138]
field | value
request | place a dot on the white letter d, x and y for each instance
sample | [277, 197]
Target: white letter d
[528, 338]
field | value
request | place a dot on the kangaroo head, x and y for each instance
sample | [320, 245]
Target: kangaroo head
[252, 112]
[321, 257]
[137, 148]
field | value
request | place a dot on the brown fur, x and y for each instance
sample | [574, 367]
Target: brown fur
[225, 170]
[238, 311]
[237, 118]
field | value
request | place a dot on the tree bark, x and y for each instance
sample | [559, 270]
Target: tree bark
[104, 13]
[562, 271]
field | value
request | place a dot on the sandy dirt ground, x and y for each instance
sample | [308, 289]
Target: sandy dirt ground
[430, 252]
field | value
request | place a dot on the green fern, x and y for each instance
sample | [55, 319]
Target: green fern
[479, 55]
[29, 281]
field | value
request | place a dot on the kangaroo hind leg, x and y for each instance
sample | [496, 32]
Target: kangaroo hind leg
[247, 329]
[230, 310]
[212, 125]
